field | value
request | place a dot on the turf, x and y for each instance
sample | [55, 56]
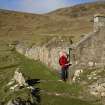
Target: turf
[48, 86]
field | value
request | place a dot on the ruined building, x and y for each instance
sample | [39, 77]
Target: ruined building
[88, 52]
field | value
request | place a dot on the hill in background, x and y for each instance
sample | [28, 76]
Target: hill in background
[32, 28]
[71, 21]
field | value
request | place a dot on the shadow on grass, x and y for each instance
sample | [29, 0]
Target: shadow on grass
[35, 92]
[31, 96]
[32, 82]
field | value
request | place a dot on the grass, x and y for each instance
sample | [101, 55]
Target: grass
[36, 70]
[63, 101]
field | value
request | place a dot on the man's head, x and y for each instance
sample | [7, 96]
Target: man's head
[63, 53]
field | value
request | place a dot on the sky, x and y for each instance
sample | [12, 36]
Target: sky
[38, 6]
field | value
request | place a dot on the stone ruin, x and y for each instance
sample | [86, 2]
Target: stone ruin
[47, 54]
[19, 83]
[89, 52]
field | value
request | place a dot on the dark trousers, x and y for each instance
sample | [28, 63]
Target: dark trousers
[64, 74]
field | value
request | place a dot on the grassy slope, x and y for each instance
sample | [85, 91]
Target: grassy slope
[32, 27]
[9, 61]
[28, 27]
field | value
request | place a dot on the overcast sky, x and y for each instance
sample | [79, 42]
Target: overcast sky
[38, 6]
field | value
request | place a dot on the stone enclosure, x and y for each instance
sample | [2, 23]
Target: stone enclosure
[47, 53]
[88, 52]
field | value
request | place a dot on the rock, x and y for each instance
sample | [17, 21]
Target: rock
[91, 64]
[18, 80]
[89, 78]
[94, 75]
[77, 74]
[95, 78]
[103, 94]
[11, 82]
[98, 88]
[10, 103]
[14, 87]
[94, 93]
[19, 83]
[19, 101]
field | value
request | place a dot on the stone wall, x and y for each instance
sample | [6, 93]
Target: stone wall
[90, 52]
[48, 56]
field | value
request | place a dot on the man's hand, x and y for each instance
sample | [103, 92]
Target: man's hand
[68, 64]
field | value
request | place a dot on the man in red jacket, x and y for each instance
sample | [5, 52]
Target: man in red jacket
[64, 63]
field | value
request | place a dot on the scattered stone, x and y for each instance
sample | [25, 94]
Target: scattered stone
[77, 74]
[10, 103]
[17, 81]
[10, 83]
[89, 78]
[15, 87]
[94, 75]
[19, 78]
[91, 64]
[97, 89]
[19, 101]
[95, 78]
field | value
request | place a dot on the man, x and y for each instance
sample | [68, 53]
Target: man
[64, 63]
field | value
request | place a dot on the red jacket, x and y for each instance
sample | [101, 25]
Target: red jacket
[63, 62]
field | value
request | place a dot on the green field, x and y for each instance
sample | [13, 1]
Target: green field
[49, 85]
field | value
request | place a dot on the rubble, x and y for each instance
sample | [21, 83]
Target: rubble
[77, 74]
[17, 81]
[19, 84]
[97, 89]
[94, 75]
[18, 101]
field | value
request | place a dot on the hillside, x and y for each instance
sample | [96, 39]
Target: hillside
[80, 10]
[71, 22]
[34, 27]
[49, 91]
[20, 26]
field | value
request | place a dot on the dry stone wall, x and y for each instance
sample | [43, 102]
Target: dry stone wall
[90, 52]
[48, 56]
[87, 53]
